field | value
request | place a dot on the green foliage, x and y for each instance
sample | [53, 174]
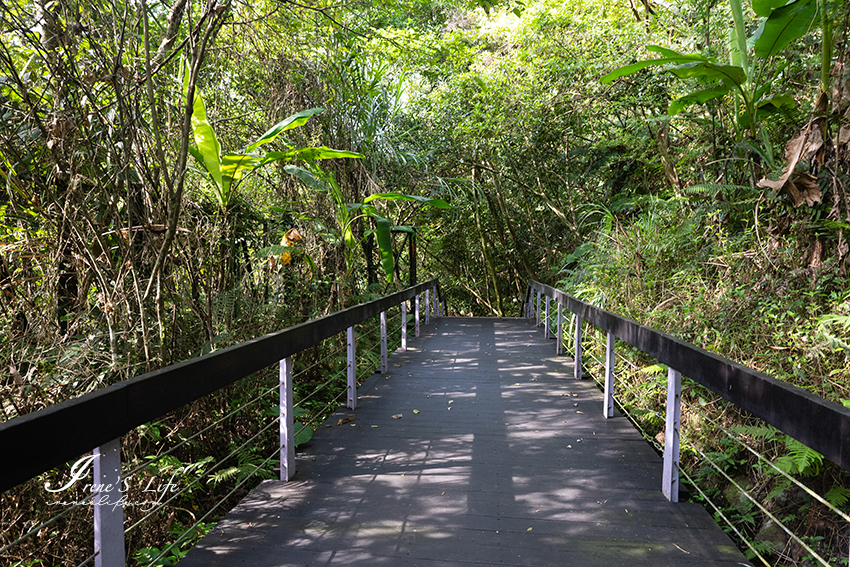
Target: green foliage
[227, 171]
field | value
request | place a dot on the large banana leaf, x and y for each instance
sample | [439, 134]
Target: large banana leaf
[763, 8]
[208, 149]
[729, 75]
[309, 154]
[288, 123]
[784, 25]
[438, 203]
[697, 97]
[670, 56]
[307, 178]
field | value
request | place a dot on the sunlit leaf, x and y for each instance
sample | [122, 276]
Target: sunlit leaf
[307, 178]
[288, 123]
[763, 8]
[438, 203]
[784, 25]
[675, 55]
[670, 56]
[208, 147]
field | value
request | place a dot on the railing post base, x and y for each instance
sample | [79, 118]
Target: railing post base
[670, 474]
[577, 368]
[287, 421]
[416, 317]
[537, 311]
[108, 515]
[608, 404]
[383, 342]
[559, 343]
[404, 325]
[352, 370]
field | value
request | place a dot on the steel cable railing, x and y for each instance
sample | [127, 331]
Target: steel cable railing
[364, 363]
[756, 549]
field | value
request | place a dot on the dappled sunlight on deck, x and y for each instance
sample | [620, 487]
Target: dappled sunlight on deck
[507, 461]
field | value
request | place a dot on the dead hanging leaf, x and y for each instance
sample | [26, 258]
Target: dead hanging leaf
[800, 187]
[844, 131]
[16, 376]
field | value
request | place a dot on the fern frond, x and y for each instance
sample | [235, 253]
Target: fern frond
[837, 496]
[766, 432]
[709, 189]
[807, 460]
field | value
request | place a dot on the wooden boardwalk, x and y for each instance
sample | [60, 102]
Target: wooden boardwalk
[507, 462]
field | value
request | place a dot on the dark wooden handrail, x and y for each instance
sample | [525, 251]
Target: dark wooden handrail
[42, 440]
[820, 424]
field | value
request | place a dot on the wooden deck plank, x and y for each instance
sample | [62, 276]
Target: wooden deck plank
[508, 462]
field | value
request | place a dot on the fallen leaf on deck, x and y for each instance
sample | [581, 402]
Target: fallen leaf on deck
[374, 426]
[579, 411]
[529, 529]
[416, 411]
[343, 420]
[451, 401]
[397, 416]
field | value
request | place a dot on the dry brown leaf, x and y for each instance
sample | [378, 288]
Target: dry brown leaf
[793, 151]
[343, 420]
[397, 416]
[843, 136]
[813, 144]
[800, 187]
[807, 184]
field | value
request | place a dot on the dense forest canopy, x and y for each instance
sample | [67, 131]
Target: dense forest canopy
[183, 175]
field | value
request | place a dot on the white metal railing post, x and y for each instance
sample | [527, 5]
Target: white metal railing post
[404, 325]
[670, 475]
[108, 513]
[287, 421]
[577, 358]
[435, 307]
[559, 343]
[608, 404]
[352, 370]
[416, 317]
[546, 319]
[427, 307]
[383, 342]
[537, 310]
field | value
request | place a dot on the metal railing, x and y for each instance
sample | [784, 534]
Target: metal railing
[48, 438]
[820, 424]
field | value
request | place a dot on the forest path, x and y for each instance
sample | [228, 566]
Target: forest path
[506, 461]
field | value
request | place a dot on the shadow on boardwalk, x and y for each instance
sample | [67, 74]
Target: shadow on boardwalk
[507, 462]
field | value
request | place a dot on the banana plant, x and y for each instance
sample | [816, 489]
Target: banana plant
[227, 171]
[347, 213]
[784, 23]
